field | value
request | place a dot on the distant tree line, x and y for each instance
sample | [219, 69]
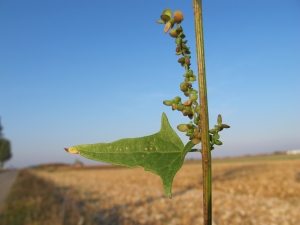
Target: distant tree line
[5, 149]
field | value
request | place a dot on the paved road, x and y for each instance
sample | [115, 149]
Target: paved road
[6, 180]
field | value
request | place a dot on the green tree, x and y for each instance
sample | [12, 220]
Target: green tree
[5, 149]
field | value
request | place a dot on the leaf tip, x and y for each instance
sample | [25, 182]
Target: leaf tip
[168, 187]
[164, 118]
[72, 151]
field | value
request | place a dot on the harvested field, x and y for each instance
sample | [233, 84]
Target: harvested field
[243, 193]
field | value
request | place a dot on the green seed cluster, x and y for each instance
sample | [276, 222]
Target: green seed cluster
[214, 133]
[190, 107]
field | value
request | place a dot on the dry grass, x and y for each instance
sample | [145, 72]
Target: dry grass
[36, 201]
[243, 193]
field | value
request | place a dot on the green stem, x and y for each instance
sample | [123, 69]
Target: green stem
[206, 153]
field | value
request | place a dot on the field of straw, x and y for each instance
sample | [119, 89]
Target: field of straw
[266, 192]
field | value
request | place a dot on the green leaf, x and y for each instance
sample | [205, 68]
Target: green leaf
[161, 153]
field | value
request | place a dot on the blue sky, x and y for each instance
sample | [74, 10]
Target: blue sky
[77, 72]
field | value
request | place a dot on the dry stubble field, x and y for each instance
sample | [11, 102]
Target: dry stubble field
[243, 193]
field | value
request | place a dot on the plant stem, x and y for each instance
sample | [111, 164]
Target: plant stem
[206, 151]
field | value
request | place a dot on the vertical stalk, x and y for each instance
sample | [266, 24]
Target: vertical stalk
[206, 151]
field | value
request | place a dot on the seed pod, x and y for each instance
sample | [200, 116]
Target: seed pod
[190, 132]
[167, 27]
[187, 61]
[194, 97]
[184, 46]
[225, 126]
[219, 120]
[186, 75]
[194, 92]
[173, 33]
[185, 112]
[178, 16]
[168, 102]
[183, 86]
[217, 128]
[216, 136]
[189, 126]
[177, 99]
[180, 107]
[179, 29]
[160, 21]
[196, 130]
[192, 79]
[190, 72]
[186, 93]
[212, 131]
[196, 141]
[181, 60]
[182, 127]
[197, 133]
[178, 40]
[189, 109]
[174, 106]
[187, 102]
[189, 84]
[218, 142]
[181, 35]
[166, 15]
